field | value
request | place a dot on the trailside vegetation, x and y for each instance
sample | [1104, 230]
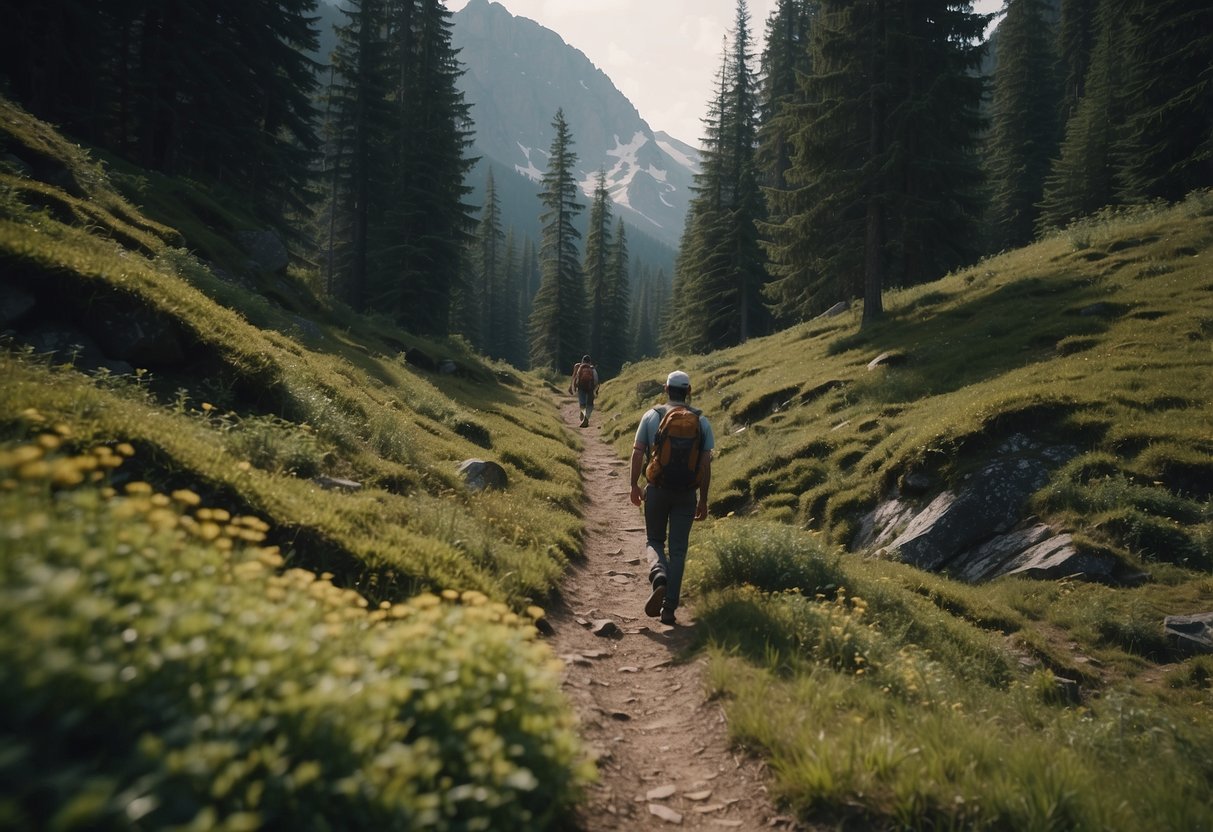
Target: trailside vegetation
[243, 582]
[886, 696]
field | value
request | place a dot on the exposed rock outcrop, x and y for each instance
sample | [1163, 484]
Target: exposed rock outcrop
[976, 530]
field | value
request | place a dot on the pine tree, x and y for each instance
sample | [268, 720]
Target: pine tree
[515, 305]
[720, 267]
[1024, 133]
[594, 267]
[359, 147]
[884, 184]
[1076, 41]
[428, 224]
[557, 330]
[616, 341]
[936, 181]
[816, 246]
[1166, 147]
[1082, 178]
[495, 309]
[785, 59]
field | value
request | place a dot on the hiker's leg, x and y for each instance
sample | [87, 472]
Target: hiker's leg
[582, 397]
[656, 521]
[682, 515]
[589, 405]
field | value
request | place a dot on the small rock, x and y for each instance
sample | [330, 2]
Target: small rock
[709, 808]
[661, 792]
[337, 484]
[481, 475]
[731, 824]
[888, 359]
[621, 579]
[704, 795]
[629, 669]
[606, 628]
[620, 716]
[665, 813]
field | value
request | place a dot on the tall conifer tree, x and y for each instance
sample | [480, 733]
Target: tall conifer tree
[616, 340]
[595, 268]
[1082, 179]
[1166, 148]
[557, 324]
[721, 266]
[1024, 132]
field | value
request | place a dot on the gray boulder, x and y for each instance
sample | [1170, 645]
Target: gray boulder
[1057, 557]
[1191, 633]
[480, 475]
[337, 484]
[990, 504]
[649, 389]
[986, 561]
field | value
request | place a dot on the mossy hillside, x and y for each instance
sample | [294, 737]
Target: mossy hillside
[258, 409]
[172, 656]
[1099, 338]
[889, 697]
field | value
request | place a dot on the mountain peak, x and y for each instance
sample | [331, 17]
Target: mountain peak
[519, 73]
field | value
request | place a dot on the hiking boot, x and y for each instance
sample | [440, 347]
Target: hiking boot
[667, 617]
[652, 607]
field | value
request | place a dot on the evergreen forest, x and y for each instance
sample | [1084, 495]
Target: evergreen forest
[265, 319]
[849, 148]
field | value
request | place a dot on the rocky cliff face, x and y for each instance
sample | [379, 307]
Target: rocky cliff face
[519, 74]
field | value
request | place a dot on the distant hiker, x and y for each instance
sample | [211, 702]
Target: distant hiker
[585, 380]
[676, 442]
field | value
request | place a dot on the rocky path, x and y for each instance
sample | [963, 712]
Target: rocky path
[664, 759]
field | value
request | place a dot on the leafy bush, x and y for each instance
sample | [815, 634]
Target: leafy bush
[159, 668]
[769, 556]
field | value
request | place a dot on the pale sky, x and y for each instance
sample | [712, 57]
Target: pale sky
[662, 54]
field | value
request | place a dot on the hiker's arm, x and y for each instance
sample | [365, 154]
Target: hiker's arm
[637, 462]
[701, 510]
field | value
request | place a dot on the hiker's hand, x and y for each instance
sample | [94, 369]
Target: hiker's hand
[637, 495]
[701, 510]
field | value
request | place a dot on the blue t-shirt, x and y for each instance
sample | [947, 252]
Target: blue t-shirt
[646, 434]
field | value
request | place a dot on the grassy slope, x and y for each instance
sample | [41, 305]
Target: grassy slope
[932, 701]
[277, 387]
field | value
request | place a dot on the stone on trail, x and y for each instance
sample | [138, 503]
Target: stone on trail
[606, 628]
[709, 808]
[621, 579]
[661, 792]
[665, 813]
[703, 795]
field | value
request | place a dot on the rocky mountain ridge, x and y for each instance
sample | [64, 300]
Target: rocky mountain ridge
[520, 73]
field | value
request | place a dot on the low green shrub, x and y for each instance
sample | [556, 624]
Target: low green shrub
[159, 668]
[770, 556]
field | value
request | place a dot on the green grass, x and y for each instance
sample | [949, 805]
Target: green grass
[296, 657]
[1099, 338]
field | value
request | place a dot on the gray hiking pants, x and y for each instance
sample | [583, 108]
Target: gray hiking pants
[672, 513]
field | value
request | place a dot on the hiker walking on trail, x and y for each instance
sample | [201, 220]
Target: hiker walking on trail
[674, 445]
[585, 380]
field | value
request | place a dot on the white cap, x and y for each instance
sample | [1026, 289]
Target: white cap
[678, 379]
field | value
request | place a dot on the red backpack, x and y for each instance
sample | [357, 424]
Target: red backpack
[585, 378]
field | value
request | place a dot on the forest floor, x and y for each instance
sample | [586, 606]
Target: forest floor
[661, 744]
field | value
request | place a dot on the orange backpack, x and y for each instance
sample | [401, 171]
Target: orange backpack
[585, 378]
[677, 450]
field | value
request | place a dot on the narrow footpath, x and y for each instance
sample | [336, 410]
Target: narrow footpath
[664, 759]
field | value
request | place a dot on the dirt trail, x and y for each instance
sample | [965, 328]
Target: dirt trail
[664, 759]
